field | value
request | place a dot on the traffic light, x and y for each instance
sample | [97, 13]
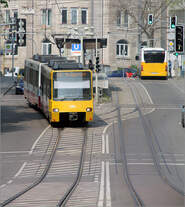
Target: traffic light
[150, 19]
[97, 65]
[173, 21]
[21, 32]
[179, 38]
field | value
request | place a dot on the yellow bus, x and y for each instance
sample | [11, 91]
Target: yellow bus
[153, 63]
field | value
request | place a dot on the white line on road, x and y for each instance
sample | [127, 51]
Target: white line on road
[20, 170]
[102, 187]
[107, 144]
[151, 163]
[10, 181]
[103, 143]
[108, 194]
[15, 152]
[31, 151]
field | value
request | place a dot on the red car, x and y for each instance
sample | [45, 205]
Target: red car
[130, 72]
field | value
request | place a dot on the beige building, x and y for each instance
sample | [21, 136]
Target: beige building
[72, 20]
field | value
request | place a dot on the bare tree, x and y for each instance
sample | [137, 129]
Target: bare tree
[139, 11]
[4, 3]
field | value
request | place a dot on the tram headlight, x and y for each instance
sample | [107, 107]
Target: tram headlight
[89, 109]
[55, 110]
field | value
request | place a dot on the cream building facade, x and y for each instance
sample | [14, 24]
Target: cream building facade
[47, 20]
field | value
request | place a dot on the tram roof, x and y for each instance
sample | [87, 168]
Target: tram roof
[56, 62]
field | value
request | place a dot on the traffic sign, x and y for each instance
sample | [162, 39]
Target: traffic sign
[8, 48]
[76, 49]
[171, 46]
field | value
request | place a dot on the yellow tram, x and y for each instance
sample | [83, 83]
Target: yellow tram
[60, 88]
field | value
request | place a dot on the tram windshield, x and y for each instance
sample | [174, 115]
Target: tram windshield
[154, 56]
[71, 86]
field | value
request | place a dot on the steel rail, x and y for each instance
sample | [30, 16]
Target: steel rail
[150, 133]
[40, 179]
[7, 90]
[137, 199]
[72, 188]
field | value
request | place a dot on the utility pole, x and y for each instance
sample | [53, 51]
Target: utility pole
[96, 73]
[13, 41]
[139, 29]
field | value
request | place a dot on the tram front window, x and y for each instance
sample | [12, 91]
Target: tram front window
[71, 86]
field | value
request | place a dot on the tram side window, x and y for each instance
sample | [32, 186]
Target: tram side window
[31, 76]
[37, 78]
[34, 78]
[42, 84]
[48, 89]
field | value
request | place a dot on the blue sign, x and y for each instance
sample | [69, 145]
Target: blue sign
[76, 47]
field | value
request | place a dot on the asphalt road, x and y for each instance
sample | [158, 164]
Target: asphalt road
[20, 127]
[162, 118]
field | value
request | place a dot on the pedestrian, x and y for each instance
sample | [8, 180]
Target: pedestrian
[90, 65]
[170, 68]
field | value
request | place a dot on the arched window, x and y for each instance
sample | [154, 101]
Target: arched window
[122, 48]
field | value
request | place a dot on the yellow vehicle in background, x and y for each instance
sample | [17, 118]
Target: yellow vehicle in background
[153, 63]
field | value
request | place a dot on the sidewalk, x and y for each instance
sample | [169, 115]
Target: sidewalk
[6, 83]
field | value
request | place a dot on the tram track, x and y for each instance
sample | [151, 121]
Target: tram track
[156, 151]
[21, 198]
[39, 180]
[149, 161]
[137, 199]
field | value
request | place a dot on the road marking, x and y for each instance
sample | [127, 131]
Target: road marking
[102, 186]
[20, 170]
[103, 143]
[10, 181]
[105, 172]
[108, 194]
[107, 144]
[35, 143]
[15, 152]
[2, 186]
[147, 93]
[151, 163]
[24, 164]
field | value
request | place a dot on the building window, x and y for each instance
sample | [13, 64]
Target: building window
[125, 18]
[46, 48]
[122, 18]
[122, 48]
[46, 17]
[8, 19]
[8, 49]
[84, 16]
[15, 13]
[74, 16]
[119, 18]
[64, 15]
